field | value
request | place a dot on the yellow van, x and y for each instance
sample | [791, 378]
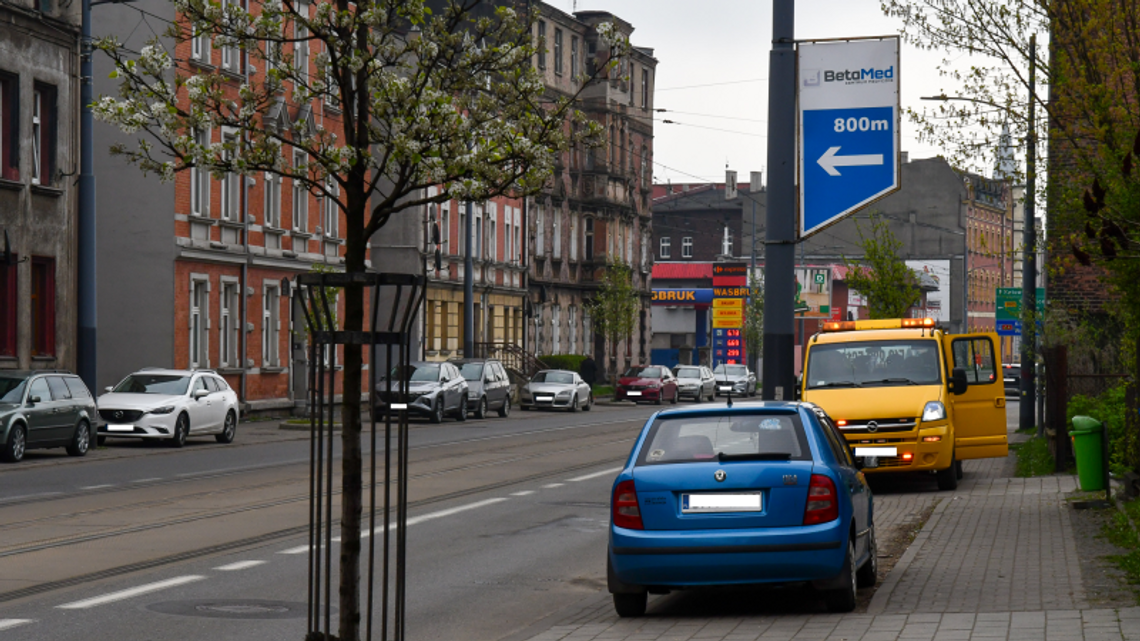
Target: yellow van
[909, 395]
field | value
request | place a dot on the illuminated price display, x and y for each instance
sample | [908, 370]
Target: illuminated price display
[732, 342]
[734, 353]
[732, 333]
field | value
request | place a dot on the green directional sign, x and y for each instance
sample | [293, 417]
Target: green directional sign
[1008, 303]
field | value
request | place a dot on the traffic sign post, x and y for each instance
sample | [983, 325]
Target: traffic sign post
[1007, 310]
[848, 127]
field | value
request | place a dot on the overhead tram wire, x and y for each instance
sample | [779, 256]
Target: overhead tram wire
[711, 84]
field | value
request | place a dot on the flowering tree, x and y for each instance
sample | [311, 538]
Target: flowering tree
[614, 309]
[446, 98]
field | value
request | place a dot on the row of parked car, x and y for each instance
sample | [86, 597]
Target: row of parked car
[54, 409]
[658, 384]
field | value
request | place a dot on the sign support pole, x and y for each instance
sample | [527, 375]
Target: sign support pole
[779, 255]
[1026, 419]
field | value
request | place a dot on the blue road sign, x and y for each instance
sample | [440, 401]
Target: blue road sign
[849, 160]
[1009, 328]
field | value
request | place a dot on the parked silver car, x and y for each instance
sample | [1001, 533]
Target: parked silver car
[557, 388]
[488, 386]
[42, 409]
[737, 379]
[695, 382]
[435, 390]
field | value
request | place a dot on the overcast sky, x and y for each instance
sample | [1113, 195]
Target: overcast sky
[725, 43]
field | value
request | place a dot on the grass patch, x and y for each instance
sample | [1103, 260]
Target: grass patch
[603, 390]
[1120, 533]
[1033, 458]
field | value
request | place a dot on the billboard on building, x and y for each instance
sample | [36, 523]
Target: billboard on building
[937, 301]
[813, 292]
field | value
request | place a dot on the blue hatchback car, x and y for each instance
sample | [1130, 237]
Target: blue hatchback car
[761, 493]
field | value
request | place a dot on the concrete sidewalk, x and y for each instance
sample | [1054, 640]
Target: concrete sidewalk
[997, 559]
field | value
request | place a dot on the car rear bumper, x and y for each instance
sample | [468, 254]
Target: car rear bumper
[557, 403]
[639, 395]
[727, 557]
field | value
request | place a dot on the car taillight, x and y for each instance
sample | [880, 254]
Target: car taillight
[823, 501]
[626, 513]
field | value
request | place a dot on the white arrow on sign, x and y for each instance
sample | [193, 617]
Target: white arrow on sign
[829, 161]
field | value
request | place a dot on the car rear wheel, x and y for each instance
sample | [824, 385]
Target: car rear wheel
[181, 430]
[81, 441]
[868, 575]
[631, 605]
[843, 599]
[13, 451]
[948, 478]
[481, 411]
[505, 410]
[229, 429]
[589, 403]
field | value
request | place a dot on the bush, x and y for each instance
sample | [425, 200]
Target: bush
[1108, 408]
[572, 362]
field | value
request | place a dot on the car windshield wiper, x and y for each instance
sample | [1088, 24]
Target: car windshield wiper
[838, 384]
[754, 456]
[899, 379]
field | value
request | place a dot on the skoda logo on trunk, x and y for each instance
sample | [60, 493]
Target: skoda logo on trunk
[720, 476]
[872, 426]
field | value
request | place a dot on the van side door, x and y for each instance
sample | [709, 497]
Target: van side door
[978, 415]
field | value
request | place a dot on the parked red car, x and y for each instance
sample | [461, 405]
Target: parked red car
[647, 383]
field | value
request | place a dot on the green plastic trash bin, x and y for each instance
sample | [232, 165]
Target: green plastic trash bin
[1087, 449]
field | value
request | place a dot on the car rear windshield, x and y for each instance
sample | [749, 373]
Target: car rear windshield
[688, 372]
[553, 377]
[642, 372]
[12, 388]
[171, 384]
[705, 438]
[874, 364]
[472, 371]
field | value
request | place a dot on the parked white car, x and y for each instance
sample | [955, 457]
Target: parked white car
[169, 404]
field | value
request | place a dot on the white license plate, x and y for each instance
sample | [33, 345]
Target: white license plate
[876, 451]
[632, 393]
[120, 428]
[691, 503]
[725, 389]
[544, 398]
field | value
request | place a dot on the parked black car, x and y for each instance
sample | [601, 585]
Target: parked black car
[488, 386]
[42, 409]
[1011, 372]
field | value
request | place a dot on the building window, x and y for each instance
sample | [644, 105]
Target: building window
[301, 46]
[726, 245]
[539, 232]
[557, 233]
[199, 322]
[230, 183]
[665, 243]
[463, 230]
[300, 196]
[572, 324]
[331, 207]
[270, 327]
[272, 200]
[228, 331]
[687, 247]
[200, 179]
[589, 241]
[558, 51]
[644, 88]
[8, 310]
[478, 213]
[230, 55]
[508, 251]
[573, 236]
[574, 57]
[518, 246]
[200, 46]
[9, 127]
[43, 307]
[492, 239]
[445, 228]
[556, 329]
[43, 134]
[541, 44]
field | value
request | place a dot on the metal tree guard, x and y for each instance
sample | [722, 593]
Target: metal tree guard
[402, 297]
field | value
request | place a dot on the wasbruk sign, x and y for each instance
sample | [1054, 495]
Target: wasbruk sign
[848, 96]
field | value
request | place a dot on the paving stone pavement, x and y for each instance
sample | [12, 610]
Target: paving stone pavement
[997, 560]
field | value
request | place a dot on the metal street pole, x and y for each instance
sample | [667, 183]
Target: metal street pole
[469, 288]
[85, 272]
[779, 255]
[1028, 390]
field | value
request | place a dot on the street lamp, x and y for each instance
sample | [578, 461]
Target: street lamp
[1029, 242]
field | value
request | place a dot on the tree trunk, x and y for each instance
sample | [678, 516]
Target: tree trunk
[352, 462]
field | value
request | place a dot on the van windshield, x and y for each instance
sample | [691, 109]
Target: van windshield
[874, 364]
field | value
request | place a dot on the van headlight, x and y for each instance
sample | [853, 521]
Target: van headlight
[934, 411]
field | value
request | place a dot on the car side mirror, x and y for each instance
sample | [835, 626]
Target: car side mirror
[958, 382]
[108, 389]
[32, 400]
[200, 394]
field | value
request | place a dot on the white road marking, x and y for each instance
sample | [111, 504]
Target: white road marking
[240, 565]
[97, 487]
[28, 496]
[157, 478]
[300, 549]
[131, 592]
[8, 624]
[523, 493]
[595, 475]
[550, 486]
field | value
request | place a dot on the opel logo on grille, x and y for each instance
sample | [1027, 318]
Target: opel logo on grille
[118, 413]
[720, 476]
[872, 426]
